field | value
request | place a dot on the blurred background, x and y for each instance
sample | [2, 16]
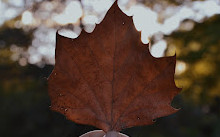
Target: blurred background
[27, 46]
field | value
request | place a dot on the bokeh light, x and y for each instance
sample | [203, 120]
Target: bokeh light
[152, 22]
[188, 29]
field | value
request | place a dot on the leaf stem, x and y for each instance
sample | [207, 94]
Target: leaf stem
[111, 134]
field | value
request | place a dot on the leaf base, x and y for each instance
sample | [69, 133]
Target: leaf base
[100, 133]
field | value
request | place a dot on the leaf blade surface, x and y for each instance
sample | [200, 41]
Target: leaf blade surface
[109, 79]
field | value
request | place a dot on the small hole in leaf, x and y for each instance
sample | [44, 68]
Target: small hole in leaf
[138, 118]
[123, 23]
[66, 109]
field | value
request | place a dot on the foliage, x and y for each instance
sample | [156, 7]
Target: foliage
[199, 48]
[24, 99]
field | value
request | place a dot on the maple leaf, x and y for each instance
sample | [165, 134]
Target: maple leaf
[109, 79]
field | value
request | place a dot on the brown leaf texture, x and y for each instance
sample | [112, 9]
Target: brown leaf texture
[108, 79]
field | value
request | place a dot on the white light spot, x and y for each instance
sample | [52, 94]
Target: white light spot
[10, 13]
[89, 28]
[27, 18]
[90, 19]
[145, 39]
[34, 59]
[187, 26]
[23, 61]
[18, 3]
[68, 33]
[71, 14]
[180, 67]
[158, 49]
[98, 6]
[144, 18]
[207, 8]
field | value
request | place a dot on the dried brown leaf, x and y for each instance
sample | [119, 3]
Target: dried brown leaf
[109, 79]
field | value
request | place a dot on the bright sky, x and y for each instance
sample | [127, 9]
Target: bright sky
[93, 11]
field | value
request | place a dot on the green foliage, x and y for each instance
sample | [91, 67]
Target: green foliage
[25, 105]
[15, 36]
[200, 50]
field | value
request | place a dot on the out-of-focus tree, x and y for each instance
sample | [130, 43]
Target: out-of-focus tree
[27, 40]
[198, 53]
